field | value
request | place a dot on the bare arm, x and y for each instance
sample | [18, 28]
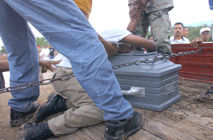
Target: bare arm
[132, 26]
[139, 41]
[136, 7]
[4, 66]
[48, 64]
[3, 57]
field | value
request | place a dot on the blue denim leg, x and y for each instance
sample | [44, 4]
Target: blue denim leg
[68, 31]
[23, 57]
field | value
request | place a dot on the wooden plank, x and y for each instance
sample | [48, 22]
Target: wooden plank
[144, 135]
[164, 131]
[189, 128]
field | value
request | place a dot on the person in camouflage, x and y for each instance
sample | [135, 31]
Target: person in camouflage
[154, 13]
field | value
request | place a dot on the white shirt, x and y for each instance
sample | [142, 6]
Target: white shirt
[65, 62]
[45, 53]
[114, 35]
[184, 40]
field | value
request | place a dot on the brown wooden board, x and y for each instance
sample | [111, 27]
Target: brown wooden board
[199, 66]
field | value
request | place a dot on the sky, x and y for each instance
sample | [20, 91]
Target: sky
[110, 14]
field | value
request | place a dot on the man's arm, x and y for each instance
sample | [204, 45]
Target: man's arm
[4, 66]
[48, 64]
[3, 57]
[139, 41]
[132, 26]
[136, 7]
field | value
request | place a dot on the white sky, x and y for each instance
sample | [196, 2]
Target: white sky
[191, 11]
[109, 14]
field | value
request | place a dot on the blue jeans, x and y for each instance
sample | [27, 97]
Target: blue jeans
[63, 24]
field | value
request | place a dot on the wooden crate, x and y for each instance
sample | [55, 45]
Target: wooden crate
[197, 66]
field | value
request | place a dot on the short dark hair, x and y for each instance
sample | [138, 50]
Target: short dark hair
[179, 23]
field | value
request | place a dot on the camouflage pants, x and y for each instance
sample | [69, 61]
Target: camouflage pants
[160, 28]
[81, 111]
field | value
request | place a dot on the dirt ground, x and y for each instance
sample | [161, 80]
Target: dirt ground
[186, 119]
[6, 132]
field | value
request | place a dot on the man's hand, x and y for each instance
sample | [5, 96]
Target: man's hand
[125, 48]
[111, 49]
[164, 50]
[49, 64]
[195, 42]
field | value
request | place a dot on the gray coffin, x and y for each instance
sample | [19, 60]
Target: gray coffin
[151, 86]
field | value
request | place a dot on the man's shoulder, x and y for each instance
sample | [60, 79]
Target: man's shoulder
[172, 38]
[186, 40]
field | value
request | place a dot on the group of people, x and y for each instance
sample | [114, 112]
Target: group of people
[93, 95]
[180, 37]
[181, 33]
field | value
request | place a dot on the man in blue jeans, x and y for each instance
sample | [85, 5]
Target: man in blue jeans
[68, 31]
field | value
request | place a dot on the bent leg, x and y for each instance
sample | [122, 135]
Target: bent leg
[73, 119]
[71, 89]
[22, 55]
